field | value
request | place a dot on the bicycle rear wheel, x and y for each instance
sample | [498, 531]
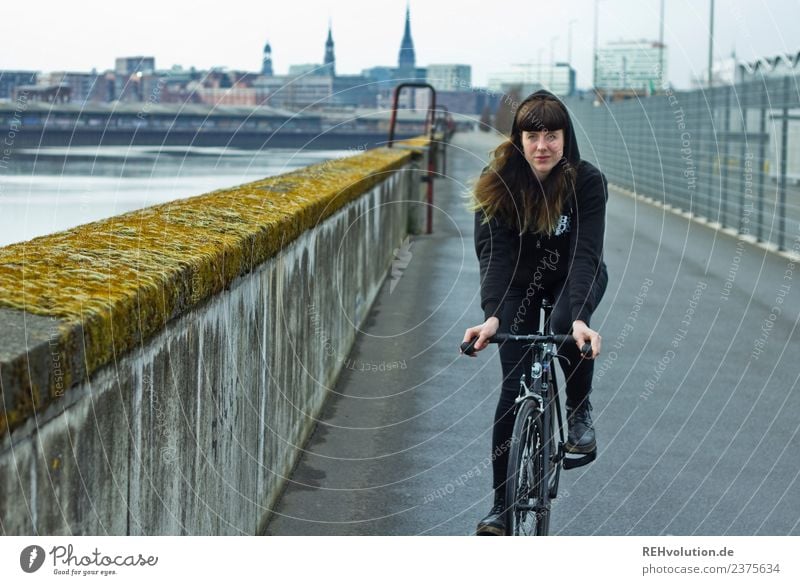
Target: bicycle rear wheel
[527, 501]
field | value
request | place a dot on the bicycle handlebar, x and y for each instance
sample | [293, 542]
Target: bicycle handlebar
[468, 347]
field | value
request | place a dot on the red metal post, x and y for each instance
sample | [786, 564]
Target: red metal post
[430, 119]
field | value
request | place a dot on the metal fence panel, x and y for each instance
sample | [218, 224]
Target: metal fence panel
[730, 154]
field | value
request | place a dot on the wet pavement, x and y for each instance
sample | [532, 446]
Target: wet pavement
[695, 394]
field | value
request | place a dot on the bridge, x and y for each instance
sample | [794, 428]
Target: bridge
[40, 124]
[693, 400]
[282, 358]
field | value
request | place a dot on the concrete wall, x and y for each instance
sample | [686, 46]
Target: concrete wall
[196, 429]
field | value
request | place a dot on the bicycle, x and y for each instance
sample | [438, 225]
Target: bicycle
[535, 461]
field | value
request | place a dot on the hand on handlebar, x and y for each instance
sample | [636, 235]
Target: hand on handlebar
[483, 333]
[585, 336]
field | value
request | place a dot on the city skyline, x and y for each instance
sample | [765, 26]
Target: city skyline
[753, 29]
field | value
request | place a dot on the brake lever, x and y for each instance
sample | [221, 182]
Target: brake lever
[586, 352]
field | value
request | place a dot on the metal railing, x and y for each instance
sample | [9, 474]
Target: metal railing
[730, 154]
[430, 118]
[430, 126]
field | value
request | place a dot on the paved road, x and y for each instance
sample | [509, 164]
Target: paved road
[695, 397]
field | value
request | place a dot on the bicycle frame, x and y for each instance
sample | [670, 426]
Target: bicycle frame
[542, 388]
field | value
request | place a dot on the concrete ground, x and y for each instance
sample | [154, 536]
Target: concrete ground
[695, 395]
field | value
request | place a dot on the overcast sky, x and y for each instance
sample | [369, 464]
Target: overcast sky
[488, 35]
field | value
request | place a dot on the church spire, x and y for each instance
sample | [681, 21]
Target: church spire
[330, 61]
[266, 61]
[407, 60]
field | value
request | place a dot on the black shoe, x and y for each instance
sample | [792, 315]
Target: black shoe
[494, 524]
[580, 438]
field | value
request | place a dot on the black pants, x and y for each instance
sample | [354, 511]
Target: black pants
[521, 316]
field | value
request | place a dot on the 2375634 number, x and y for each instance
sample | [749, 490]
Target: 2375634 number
[754, 568]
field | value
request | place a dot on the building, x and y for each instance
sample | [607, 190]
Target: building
[450, 77]
[231, 96]
[218, 86]
[723, 72]
[84, 87]
[327, 67]
[454, 91]
[354, 91]
[136, 79]
[730, 70]
[314, 85]
[783, 65]
[173, 86]
[266, 61]
[526, 78]
[296, 92]
[306, 69]
[9, 79]
[53, 94]
[221, 86]
[329, 61]
[130, 65]
[631, 66]
[456, 102]
[128, 72]
[407, 58]
[407, 69]
[383, 77]
[379, 75]
[381, 80]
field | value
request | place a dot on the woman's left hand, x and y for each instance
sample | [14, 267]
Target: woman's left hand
[583, 335]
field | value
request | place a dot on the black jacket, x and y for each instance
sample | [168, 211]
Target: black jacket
[537, 263]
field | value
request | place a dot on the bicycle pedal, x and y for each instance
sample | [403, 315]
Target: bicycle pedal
[573, 462]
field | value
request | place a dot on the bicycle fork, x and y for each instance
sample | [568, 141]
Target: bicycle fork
[546, 402]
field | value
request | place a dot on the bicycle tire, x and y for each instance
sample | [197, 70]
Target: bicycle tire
[555, 449]
[527, 492]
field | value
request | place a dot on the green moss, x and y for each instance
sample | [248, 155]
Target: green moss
[122, 279]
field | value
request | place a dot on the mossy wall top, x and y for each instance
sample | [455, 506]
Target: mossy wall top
[120, 280]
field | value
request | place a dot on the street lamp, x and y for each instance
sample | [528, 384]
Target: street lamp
[661, 48]
[594, 60]
[569, 40]
[710, 43]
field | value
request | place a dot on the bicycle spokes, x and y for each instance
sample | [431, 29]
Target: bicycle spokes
[529, 501]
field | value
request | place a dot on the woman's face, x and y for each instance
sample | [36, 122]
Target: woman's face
[543, 150]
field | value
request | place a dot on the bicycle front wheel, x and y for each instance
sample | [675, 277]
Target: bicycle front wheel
[527, 501]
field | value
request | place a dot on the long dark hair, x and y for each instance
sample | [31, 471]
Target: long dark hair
[508, 187]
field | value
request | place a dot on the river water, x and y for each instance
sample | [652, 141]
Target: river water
[46, 190]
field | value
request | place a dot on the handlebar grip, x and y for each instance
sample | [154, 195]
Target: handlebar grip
[468, 347]
[586, 350]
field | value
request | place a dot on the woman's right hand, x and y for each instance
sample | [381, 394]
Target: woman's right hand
[483, 333]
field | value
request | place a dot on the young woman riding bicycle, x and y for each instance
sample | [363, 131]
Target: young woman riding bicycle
[539, 229]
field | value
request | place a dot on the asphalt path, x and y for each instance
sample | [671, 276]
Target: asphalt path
[695, 396]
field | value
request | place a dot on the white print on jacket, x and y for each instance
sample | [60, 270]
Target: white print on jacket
[563, 225]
